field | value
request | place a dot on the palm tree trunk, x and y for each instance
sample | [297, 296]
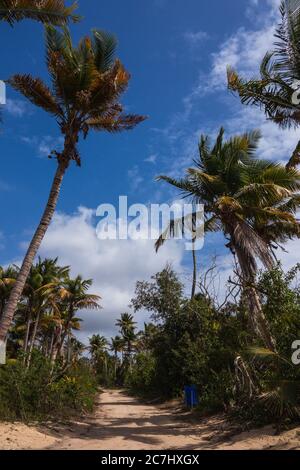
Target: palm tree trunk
[36, 241]
[35, 329]
[194, 270]
[26, 340]
[259, 322]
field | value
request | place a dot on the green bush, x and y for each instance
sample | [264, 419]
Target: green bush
[141, 377]
[37, 392]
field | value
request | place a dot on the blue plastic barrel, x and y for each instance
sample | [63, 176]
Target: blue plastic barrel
[191, 396]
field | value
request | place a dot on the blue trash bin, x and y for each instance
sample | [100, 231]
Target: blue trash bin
[191, 396]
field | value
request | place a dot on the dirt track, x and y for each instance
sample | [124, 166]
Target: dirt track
[122, 422]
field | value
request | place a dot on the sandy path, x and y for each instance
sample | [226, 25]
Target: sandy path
[122, 423]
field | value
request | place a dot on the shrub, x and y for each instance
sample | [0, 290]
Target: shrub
[37, 393]
[141, 377]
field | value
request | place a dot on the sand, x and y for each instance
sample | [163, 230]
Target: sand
[121, 422]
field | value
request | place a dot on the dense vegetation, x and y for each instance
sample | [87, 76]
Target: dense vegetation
[198, 342]
[45, 371]
[238, 354]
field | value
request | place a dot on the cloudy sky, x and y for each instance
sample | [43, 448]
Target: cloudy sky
[177, 52]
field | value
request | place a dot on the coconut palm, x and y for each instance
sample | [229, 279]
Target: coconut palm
[183, 226]
[43, 278]
[116, 346]
[86, 84]
[70, 296]
[98, 346]
[279, 78]
[145, 337]
[126, 326]
[46, 11]
[253, 202]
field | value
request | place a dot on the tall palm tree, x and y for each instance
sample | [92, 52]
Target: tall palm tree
[71, 295]
[279, 78]
[253, 202]
[43, 278]
[86, 86]
[116, 346]
[182, 226]
[146, 336]
[126, 326]
[46, 11]
[97, 343]
[98, 346]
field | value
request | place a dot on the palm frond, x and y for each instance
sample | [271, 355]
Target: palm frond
[36, 92]
[104, 45]
[118, 124]
[45, 11]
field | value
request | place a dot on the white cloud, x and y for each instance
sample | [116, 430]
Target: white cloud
[114, 265]
[289, 257]
[44, 145]
[135, 178]
[151, 159]
[276, 144]
[16, 108]
[195, 38]
[243, 51]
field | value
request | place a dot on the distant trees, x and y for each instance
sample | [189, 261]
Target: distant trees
[46, 318]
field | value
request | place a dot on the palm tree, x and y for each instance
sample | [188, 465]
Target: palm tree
[279, 78]
[71, 295]
[253, 202]
[146, 336]
[116, 346]
[126, 326]
[76, 350]
[86, 85]
[184, 225]
[43, 278]
[46, 11]
[98, 349]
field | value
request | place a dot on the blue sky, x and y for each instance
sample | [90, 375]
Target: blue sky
[177, 52]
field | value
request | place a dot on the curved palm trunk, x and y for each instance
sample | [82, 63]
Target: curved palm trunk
[258, 319]
[36, 241]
